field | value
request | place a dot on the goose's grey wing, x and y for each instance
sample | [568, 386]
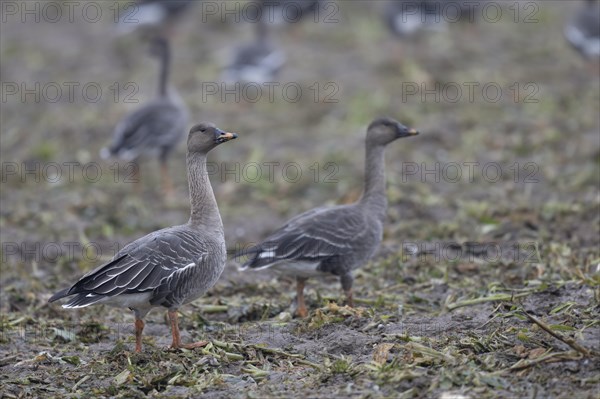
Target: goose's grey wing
[140, 267]
[313, 237]
[150, 12]
[256, 63]
[583, 32]
[173, 7]
[156, 125]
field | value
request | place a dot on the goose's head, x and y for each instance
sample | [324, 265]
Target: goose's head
[383, 131]
[205, 136]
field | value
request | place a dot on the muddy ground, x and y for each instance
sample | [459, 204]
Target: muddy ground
[486, 284]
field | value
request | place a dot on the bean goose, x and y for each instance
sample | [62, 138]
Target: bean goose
[408, 17]
[334, 240]
[583, 31]
[169, 267]
[154, 129]
[161, 14]
[291, 11]
[257, 62]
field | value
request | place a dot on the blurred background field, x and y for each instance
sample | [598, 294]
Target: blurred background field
[411, 336]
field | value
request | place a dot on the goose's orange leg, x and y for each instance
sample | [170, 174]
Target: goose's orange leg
[173, 318]
[139, 327]
[301, 309]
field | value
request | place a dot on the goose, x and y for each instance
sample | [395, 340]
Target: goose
[154, 129]
[257, 62]
[409, 17]
[333, 240]
[290, 11]
[583, 30]
[152, 13]
[169, 267]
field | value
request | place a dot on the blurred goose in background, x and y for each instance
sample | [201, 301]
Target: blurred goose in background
[157, 127]
[281, 12]
[408, 17]
[256, 62]
[583, 30]
[334, 240]
[169, 267]
[161, 14]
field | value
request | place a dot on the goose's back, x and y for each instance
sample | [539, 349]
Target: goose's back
[171, 266]
[332, 239]
[154, 128]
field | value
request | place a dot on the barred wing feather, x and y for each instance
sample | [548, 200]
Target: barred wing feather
[142, 266]
[312, 237]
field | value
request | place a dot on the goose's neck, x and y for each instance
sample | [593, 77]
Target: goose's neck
[374, 198]
[165, 67]
[261, 32]
[204, 212]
